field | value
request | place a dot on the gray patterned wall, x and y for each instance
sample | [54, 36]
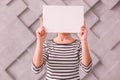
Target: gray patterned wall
[20, 18]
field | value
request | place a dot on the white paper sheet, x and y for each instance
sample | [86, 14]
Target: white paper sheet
[63, 18]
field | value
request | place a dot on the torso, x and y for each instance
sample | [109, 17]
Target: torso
[63, 61]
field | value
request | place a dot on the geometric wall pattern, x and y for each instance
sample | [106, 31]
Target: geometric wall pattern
[19, 20]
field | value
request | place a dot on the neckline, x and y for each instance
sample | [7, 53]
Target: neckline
[64, 43]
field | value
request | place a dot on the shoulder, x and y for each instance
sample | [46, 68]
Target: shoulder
[77, 43]
[47, 42]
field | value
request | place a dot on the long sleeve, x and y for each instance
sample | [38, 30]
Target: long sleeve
[88, 68]
[45, 56]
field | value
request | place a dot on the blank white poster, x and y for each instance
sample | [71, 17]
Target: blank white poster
[63, 18]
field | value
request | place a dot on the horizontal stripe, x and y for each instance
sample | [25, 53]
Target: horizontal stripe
[63, 74]
[61, 67]
[49, 77]
[63, 54]
[63, 71]
[37, 69]
[63, 60]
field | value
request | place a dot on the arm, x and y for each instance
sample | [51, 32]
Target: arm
[86, 61]
[38, 55]
[38, 60]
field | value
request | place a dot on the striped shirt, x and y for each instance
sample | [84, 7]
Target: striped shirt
[62, 61]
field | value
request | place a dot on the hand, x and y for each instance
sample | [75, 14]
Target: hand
[41, 32]
[83, 33]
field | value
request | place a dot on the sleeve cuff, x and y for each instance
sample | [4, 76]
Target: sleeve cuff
[37, 69]
[88, 68]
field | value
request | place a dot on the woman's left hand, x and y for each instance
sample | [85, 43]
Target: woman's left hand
[83, 33]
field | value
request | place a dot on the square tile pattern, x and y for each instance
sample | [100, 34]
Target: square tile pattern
[19, 20]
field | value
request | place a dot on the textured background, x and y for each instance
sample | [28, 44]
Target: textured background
[20, 18]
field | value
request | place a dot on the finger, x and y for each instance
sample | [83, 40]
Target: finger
[38, 30]
[83, 28]
[43, 28]
[81, 33]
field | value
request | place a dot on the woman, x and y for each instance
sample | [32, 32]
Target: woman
[62, 55]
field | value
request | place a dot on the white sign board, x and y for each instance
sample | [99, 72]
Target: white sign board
[63, 18]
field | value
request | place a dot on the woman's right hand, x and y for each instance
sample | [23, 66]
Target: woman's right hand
[41, 32]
